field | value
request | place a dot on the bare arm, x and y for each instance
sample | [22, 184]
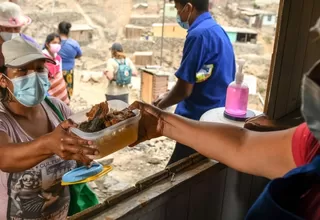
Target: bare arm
[110, 69]
[20, 157]
[17, 157]
[179, 92]
[265, 154]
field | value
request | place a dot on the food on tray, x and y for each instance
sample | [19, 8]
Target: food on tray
[101, 117]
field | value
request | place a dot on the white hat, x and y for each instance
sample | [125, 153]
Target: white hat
[11, 15]
[19, 52]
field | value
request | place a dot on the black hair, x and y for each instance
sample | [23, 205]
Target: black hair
[50, 38]
[200, 5]
[64, 27]
[4, 93]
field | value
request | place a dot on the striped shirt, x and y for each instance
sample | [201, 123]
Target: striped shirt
[58, 85]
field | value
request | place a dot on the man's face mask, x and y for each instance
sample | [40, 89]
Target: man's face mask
[311, 100]
[183, 24]
[310, 92]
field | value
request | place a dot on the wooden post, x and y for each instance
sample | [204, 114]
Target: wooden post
[294, 53]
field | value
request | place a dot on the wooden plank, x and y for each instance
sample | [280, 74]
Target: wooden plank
[200, 192]
[214, 199]
[277, 57]
[287, 72]
[257, 186]
[157, 214]
[161, 193]
[313, 52]
[236, 195]
[146, 87]
[177, 206]
[298, 66]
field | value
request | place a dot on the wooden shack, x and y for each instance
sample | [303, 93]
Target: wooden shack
[143, 58]
[133, 31]
[199, 189]
[82, 33]
[242, 35]
[171, 30]
[154, 82]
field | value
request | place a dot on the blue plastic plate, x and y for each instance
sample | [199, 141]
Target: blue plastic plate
[82, 173]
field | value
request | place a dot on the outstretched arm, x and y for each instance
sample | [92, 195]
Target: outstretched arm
[265, 154]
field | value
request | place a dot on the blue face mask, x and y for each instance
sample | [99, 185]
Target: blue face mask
[311, 105]
[31, 89]
[183, 24]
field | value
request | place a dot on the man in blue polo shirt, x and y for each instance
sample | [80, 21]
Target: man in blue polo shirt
[206, 69]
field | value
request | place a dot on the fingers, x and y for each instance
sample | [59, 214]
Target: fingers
[66, 147]
[74, 140]
[81, 158]
[156, 102]
[137, 105]
[65, 125]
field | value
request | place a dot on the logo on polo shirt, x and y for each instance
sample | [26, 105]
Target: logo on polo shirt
[204, 73]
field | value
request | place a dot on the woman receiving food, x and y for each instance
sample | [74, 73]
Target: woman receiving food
[36, 148]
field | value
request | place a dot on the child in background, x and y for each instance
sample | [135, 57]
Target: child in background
[58, 85]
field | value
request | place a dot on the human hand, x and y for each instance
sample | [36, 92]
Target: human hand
[159, 99]
[151, 123]
[68, 146]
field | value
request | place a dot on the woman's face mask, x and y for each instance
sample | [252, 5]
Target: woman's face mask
[311, 105]
[31, 89]
[6, 36]
[54, 48]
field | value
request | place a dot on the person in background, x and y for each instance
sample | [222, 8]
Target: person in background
[11, 21]
[70, 50]
[36, 146]
[119, 71]
[57, 84]
[207, 67]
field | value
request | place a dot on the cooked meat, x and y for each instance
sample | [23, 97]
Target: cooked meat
[100, 117]
[98, 111]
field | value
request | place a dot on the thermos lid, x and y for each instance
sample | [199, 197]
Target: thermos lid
[84, 174]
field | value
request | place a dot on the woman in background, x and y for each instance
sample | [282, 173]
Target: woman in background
[119, 71]
[70, 50]
[58, 85]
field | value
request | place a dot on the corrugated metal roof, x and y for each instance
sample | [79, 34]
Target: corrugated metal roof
[228, 29]
[165, 24]
[240, 30]
[252, 11]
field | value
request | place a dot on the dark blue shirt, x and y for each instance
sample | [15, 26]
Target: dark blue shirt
[208, 63]
[70, 49]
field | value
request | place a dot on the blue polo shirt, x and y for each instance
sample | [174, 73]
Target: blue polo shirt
[208, 62]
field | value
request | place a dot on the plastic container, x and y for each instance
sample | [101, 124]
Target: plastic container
[237, 95]
[113, 138]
